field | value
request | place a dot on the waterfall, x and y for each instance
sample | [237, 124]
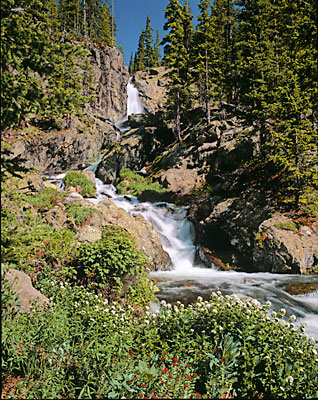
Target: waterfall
[134, 105]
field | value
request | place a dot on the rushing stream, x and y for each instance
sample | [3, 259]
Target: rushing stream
[187, 280]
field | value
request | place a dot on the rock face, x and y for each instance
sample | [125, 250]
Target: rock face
[72, 148]
[136, 149]
[146, 238]
[152, 86]
[21, 284]
[111, 76]
[78, 142]
[243, 233]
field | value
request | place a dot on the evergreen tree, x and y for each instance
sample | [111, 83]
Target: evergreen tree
[203, 52]
[131, 65]
[38, 75]
[69, 15]
[104, 29]
[278, 84]
[224, 28]
[156, 51]
[176, 56]
[149, 56]
[52, 15]
[139, 63]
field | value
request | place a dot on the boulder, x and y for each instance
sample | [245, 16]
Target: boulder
[136, 148]
[71, 148]
[22, 286]
[145, 236]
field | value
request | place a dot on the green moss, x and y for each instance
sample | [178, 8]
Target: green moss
[79, 213]
[132, 183]
[288, 225]
[77, 179]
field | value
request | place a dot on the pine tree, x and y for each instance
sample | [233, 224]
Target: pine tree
[278, 86]
[131, 65]
[69, 15]
[104, 29]
[224, 30]
[39, 76]
[156, 51]
[52, 15]
[177, 57]
[149, 56]
[139, 64]
[203, 51]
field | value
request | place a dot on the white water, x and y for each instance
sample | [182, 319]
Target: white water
[134, 105]
[188, 280]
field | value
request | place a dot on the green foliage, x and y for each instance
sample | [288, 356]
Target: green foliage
[39, 75]
[46, 198]
[82, 346]
[102, 265]
[288, 225]
[177, 44]
[132, 183]
[79, 213]
[148, 54]
[77, 179]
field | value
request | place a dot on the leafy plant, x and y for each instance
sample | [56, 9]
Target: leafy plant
[79, 213]
[103, 264]
[132, 183]
[77, 179]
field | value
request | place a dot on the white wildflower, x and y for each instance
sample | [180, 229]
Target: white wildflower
[300, 351]
[291, 348]
[314, 351]
[289, 379]
[282, 389]
[282, 311]
[268, 303]
[292, 318]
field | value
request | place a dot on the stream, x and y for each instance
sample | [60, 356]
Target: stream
[187, 280]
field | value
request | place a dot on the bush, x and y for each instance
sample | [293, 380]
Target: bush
[103, 264]
[77, 179]
[131, 183]
[45, 199]
[82, 347]
[79, 213]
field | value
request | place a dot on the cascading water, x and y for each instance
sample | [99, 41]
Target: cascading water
[134, 105]
[187, 280]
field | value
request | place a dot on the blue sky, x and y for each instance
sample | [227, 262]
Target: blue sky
[131, 15]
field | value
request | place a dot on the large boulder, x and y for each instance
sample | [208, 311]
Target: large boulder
[136, 149]
[145, 236]
[22, 286]
[242, 232]
[70, 148]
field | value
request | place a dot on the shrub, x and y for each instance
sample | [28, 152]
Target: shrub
[82, 347]
[45, 199]
[132, 183]
[103, 264]
[77, 179]
[79, 213]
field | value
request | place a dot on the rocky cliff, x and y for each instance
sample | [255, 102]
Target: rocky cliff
[233, 217]
[111, 76]
[73, 144]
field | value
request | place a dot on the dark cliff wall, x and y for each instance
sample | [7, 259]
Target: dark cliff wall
[111, 76]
